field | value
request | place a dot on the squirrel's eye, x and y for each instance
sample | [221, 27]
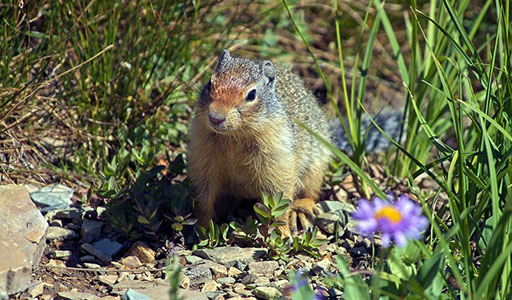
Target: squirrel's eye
[251, 95]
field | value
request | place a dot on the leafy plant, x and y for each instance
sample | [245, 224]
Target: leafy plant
[215, 236]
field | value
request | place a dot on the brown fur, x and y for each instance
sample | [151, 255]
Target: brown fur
[257, 148]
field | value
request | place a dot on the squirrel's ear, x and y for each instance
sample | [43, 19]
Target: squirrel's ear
[223, 58]
[269, 71]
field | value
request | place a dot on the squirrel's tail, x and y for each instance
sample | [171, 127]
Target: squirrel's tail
[390, 122]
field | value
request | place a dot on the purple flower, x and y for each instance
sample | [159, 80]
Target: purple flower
[397, 220]
[299, 281]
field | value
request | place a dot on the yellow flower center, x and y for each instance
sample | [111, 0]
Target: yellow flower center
[390, 213]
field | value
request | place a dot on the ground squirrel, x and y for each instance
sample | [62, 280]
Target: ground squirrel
[245, 142]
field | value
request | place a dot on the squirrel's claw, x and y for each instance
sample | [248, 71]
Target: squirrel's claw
[305, 211]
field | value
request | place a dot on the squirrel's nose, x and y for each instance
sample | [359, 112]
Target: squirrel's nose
[215, 118]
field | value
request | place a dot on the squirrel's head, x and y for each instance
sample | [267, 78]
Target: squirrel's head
[238, 95]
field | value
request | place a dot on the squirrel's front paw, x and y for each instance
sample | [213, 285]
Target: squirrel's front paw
[305, 211]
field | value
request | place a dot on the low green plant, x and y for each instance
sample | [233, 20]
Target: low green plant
[263, 231]
[150, 201]
[215, 236]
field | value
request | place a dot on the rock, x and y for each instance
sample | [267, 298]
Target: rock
[77, 296]
[217, 269]
[184, 281]
[60, 254]
[328, 222]
[261, 280]
[22, 238]
[131, 262]
[161, 292]
[333, 206]
[280, 283]
[90, 230]
[69, 213]
[325, 264]
[56, 223]
[240, 289]
[36, 290]
[143, 252]
[267, 292]
[228, 256]
[87, 258]
[233, 272]
[101, 211]
[249, 279]
[226, 280]
[192, 259]
[108, 247]
[198, 275]
[56, 263]
[52, 197]
[60, 234]
[132, 284]
[209, 286]
[96, 252]
[135, 295]
[263, 267]
[188, 295]
[92, 265]
[108, 279]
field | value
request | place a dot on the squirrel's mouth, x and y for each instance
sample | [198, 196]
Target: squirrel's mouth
[220, 127]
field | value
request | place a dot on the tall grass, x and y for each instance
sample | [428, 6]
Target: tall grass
[458, 86]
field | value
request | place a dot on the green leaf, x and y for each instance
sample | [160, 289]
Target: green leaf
[353, 287]
[142, 220]
[430, 268]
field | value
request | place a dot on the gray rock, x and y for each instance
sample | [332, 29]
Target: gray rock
[22, 238]
[96, 252]
[135, 295]
[267, 292]
[90, 230]
[52, 197]
[263, 267]
[60, 234]
[68, 213]
[226, 280]
[188, 295]
[87, 258]
[77, 296]
[198, 275]
[217, 269]
[132, 284]
[328, 222]
[192, 259]
[333, 206]
[108, 247]
[249, 279]
[228, 256]
[161, 292]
